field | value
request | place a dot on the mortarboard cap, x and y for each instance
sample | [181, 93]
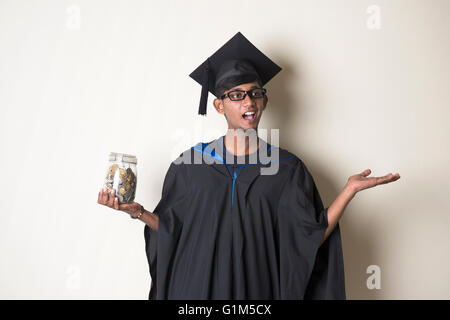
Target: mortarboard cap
[237, 61]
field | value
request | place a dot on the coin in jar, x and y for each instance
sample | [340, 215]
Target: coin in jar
[112, 169]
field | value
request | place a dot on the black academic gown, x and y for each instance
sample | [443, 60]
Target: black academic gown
[226, 233]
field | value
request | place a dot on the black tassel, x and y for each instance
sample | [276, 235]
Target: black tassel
[205, 90]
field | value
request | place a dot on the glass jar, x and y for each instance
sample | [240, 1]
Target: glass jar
[122, 176]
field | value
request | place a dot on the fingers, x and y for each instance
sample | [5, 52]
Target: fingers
[109, 200]
[103, 196]
[392, 177]
[366, 172]
[388, 178]
[112, 198]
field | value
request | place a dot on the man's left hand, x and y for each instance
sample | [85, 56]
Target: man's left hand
[360, 181]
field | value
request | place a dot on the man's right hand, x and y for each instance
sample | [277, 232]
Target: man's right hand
[132, 208]
[110, 200]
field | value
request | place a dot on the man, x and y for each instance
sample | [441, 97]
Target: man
[223, 229]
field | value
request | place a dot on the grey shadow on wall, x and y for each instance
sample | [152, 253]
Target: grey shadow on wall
[358, 248]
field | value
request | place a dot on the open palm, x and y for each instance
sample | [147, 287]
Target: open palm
[360, 181]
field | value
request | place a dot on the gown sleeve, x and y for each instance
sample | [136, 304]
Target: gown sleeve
[309, 269]
[174, 189]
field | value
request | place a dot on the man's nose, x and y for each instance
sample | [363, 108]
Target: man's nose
[248, 100]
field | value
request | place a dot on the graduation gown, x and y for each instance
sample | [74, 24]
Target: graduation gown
[229, 232]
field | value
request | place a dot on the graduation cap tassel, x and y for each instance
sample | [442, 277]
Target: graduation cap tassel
[205, 89]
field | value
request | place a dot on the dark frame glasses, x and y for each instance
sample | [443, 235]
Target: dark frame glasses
[262, 92]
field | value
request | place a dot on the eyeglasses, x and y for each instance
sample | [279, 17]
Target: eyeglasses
[237, 95]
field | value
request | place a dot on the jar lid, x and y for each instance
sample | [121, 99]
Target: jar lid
[123, 157]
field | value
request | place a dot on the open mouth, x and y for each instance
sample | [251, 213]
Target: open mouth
[249, 115]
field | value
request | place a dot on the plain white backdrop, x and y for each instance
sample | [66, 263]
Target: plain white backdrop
[364, 85]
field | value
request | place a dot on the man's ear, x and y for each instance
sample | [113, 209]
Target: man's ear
[265, 102]
[218, 104]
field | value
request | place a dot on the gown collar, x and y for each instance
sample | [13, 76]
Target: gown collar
[249, 172]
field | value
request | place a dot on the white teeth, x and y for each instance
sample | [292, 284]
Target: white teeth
[249, 113]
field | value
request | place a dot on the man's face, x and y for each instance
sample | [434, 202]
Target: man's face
[234, 111]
